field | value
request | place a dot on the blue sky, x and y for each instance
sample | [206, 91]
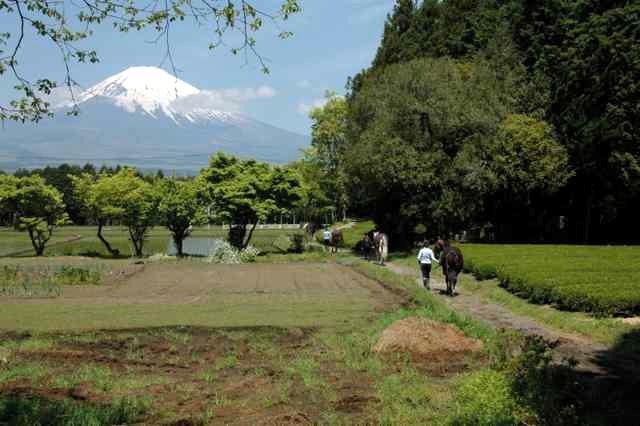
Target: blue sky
[333, 39]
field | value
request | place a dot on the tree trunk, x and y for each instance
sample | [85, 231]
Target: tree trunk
[113, 252]
[137, 239]
[178, 240]
[236, 235]
[246, 243]
[38, 248]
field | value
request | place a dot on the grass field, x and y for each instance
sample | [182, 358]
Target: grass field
[200, 294]
[192, 343]
[600, 280]
[82, 240]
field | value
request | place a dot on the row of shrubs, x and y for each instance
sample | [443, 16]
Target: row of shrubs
[600, 280]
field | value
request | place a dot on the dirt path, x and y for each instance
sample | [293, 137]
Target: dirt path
[587, 353]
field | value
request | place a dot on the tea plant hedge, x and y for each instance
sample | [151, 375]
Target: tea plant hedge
[604, 280]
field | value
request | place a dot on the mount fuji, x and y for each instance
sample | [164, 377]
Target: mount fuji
[147, 118]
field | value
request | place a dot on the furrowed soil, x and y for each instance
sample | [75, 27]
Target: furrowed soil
[194, 293]
[189, 375]
[290, 365]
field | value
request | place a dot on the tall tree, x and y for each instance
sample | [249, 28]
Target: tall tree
[418, 117]
[180, 208]
[122, 198]
[245, 192]
[328, 138]
[38, 207]
[399, 40]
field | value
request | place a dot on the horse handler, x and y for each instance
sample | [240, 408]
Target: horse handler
[425, 258]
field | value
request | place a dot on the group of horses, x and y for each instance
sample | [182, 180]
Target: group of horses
[375, 246]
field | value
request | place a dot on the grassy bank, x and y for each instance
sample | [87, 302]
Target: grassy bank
[606, 330]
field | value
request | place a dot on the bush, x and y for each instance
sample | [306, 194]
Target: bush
[249, 255]
[225, 253]
[283, 243]
[69, 275]
[486, 398]
[600, 280]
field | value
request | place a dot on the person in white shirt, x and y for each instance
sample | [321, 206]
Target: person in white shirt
[326, 236]
[425, 258]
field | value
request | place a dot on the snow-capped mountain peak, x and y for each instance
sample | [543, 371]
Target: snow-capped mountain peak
[147, 118]
[153, 91]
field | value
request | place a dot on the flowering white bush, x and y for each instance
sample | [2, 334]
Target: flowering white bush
[249, 254]
[225, 253]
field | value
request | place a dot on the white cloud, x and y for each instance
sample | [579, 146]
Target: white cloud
[305, 108]
[230, 100]
[62, 96]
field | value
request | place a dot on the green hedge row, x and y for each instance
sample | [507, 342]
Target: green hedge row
[601, 280]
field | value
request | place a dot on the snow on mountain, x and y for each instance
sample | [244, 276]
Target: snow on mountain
[144, 117]
[153, 91]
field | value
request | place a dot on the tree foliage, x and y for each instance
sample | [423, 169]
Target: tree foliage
[179, 209]
[242, 193]
[410, 126]
[67, 26]
[36, 207]
[566, 143]
[123, 198]
[328, 139]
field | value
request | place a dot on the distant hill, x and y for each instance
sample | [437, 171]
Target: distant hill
[139, 117]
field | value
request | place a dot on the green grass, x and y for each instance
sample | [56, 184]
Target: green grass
[600, 280]
[428, 305]
[262, 371]
[235, 310]
[354, 234]
[27, 411]
[17, 243]
[604, 330]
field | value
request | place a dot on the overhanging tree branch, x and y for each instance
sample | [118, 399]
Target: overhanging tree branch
[55, 21]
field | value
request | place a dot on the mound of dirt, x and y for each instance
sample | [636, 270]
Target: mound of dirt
[426, 340]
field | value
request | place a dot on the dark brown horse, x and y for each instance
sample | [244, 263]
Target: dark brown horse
[336, 239]
[452, 261]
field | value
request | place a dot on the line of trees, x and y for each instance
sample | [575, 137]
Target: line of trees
[230, 190]
[514, 119]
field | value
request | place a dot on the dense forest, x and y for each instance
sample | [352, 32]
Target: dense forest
[513, 120]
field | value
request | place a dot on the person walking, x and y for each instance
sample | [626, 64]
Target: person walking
[326, 237]
[425, 259]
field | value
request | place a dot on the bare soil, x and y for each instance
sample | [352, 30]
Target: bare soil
[191, 282]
